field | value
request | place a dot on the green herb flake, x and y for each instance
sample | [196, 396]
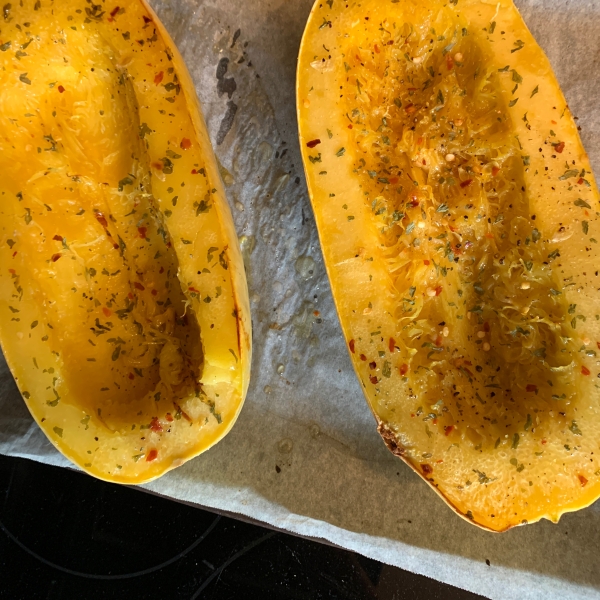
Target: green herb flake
[574, 428]
[519, 45]
[515, 441]
[58, 431]
[568, 174]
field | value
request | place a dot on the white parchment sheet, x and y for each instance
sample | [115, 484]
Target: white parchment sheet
[305, 455]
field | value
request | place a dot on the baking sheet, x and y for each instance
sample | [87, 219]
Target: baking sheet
[305, 455]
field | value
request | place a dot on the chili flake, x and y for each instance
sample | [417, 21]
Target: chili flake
[155, 425]
[152, 455]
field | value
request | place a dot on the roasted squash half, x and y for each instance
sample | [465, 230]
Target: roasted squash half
[124, 312]
[458, 217]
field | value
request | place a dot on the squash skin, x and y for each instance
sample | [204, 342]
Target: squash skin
[198, 380]
[366, 296]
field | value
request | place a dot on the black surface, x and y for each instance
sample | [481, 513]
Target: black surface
[64, 535]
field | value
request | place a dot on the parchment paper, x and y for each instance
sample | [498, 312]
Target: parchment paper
[304, 455]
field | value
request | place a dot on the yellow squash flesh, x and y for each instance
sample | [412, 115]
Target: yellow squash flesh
[124, 312]
[457, 213]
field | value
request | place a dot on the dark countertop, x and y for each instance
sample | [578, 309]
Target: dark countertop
[65, 535]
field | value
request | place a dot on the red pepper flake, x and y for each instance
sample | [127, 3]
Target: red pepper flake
[316, 313]
[438, 341]
[101, 219]
[313, 143]
[449, 62]
[426, 262]
[466, 183]
[544, 442]
[580, 181]
[351, 343]
[130, 296]
[427, 469]
[583, 480]
[448, 430]
[116, 246]
[414, 202]
[114, 11]
[131, 376]
[152, 455]
[154, 292]
[61, 89]
[193, 289]
[438, 290]
[394, 180]
[363, 357]
[486, 327]
[13, 272]
[390, 43]
[186, 144]
[55, 257]
[374, 380]
[490, 236]
[194, 172]
[372, 365]
[106, 311]
[158, 165]
[531, 387]
[410, 108]
[585, 370]
[559, 147]
[554, 122]
[598, 344]
[403, 369]
[392, 345]
[434, 421]
[155, 425]
[138, 286]
[495, 171]
[58, 238]
[377, 49]
[420, 141]
[169, 417]
[162, 270]
[142, 231]
[158, 77]
[147, 19]
[14, 253]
